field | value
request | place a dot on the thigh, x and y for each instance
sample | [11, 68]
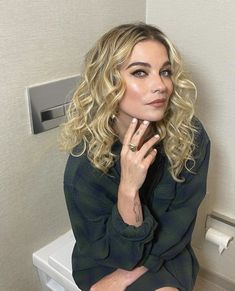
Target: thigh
[151, 281]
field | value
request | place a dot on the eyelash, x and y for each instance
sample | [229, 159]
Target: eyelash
[141, 73]
[168, 71]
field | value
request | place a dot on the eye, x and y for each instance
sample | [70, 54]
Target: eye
[166, 73]
[139, 73]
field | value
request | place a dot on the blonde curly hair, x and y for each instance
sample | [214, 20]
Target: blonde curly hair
[97, 99]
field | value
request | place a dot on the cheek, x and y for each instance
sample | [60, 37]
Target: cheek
[133, 91]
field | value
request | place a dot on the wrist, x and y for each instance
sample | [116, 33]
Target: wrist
[133, 275]
[124, 277]
[129, 207]
[128, 192]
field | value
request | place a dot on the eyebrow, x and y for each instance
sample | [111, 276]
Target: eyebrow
[167, 63]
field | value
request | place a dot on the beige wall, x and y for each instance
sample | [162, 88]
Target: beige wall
[204, 32]
[44, 40]
[40, 41]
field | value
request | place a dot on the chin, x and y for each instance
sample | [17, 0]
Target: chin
[155, 118]
[149, 116]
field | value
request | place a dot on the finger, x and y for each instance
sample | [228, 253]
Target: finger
[150, 157]
[146, 147]
[139, 133]
[130, 131]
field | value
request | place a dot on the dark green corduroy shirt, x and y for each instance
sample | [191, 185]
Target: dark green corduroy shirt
[162, 243]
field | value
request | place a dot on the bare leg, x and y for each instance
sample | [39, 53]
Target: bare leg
[167, 289]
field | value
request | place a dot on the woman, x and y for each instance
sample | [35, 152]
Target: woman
[138, 165]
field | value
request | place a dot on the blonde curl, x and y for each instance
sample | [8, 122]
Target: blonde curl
[89, 117]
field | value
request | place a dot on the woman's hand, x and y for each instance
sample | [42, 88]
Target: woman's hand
[135, 164]
[119, 280]
[112, 282]
[135, 161]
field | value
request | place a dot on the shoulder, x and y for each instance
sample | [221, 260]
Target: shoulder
[201, 134]
[201, 151]
[201, 139]
[78, 166]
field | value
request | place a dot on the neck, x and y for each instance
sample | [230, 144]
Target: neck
[121, 125]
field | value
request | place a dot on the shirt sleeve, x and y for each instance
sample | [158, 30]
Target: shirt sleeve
[100, 232]
[177, 223]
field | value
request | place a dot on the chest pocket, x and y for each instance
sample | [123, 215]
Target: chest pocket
[163, 196]
[159, 187]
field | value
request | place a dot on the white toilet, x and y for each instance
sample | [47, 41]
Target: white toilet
[53, 263]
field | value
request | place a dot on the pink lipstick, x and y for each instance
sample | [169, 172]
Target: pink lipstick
[158, 102]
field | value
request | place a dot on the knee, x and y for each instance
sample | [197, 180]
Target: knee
[167, 289]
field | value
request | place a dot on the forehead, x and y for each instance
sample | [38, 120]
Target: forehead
[149, 51]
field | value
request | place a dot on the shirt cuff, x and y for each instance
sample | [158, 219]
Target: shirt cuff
[143, 233]
[153, 263]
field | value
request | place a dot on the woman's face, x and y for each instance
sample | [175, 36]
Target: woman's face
[147, 75]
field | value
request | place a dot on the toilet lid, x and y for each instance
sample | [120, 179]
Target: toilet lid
[60, 259]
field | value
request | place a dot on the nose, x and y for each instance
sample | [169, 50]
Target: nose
[158, 85]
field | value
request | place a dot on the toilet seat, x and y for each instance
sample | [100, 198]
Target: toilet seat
[53, 263]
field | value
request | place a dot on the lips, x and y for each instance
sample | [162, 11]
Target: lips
[158, 101]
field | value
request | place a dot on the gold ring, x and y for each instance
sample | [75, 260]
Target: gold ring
[132, 147]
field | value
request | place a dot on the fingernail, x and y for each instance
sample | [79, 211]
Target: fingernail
[157, 136]
[134, 120]
[145, 122]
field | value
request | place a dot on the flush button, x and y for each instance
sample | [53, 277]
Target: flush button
[48, 103]
[52, 113]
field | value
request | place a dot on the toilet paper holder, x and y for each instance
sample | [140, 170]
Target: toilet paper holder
[222, 240]
[220, 217]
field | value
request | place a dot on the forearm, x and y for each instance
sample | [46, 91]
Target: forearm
[133, 275]
[119, 279]
[135, 163]
[129, 206]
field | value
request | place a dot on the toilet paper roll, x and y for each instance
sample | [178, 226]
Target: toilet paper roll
[222, 240]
